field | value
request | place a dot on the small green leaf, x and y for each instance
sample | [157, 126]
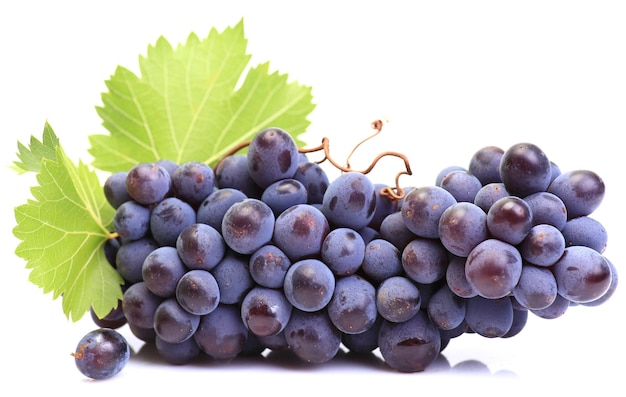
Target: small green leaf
[62, 232]
[187, 104]
[31, 156]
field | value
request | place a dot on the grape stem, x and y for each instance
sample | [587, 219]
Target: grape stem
[394, 193]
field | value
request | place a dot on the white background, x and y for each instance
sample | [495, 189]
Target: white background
[450, 77]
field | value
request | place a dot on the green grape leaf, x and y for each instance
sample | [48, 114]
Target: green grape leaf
[31, 156]
[62, 231]
[189, 105]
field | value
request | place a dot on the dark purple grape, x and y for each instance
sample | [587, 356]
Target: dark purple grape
[161, 271]
[193, 181]
[221, 334]
[381, 260]
[113, 319]
[213, 208]
[169, 218]
[493, 268]
[283, 194]
[314, 179]
[248, 225]
[148, 183]
[510, 219]
[547, 208]
[115, 189]
[461, 227]
[197, 292]
[582, 191]
[139, 305]
[200, 246]
[343, 251]
[232, 173]
[491, 318]
[582, 274]
[350, 201]
[312, 337]
[462, 185]
[457, 280]
[130, 257]
[394, 230]
[425, 260]
[300, 231]
[177, 353]
[586, 231]
[543, 245]
[132, 221]
[265, 311]
[489, 194]
[485, 164]
[309, 285]
[352, 308]
[233, 277]
[398, 299]
[536, 289]
[272, 156]
[525, 169]
[446, 309]
[174, 324]
[422, 208]
[268, 266]
[101, 353]
[409, 346]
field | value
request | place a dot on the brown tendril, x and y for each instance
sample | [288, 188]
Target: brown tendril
[394, 193]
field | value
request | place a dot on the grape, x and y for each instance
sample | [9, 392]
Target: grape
[148, 183]
[493, 268]
[510, 219]
[283, 194]
[446, 309]
[177, 353]
[586, 231]
[115, 189]
[485, 164]
[445, 171]
[200, 246]
[197, 292]
[581, 191]
[520, 319]
[425, 260]
[525, 169]
[130, 257]
[457, 280]
[461, 227]
[312, 336]
[557, 309]
[543, 245]
[381, 260]
[172, 323]
[409, 346]
[265, 311]
[350, 201]
[101, 353]
[422, 208]
[272, 156]
[248, 225]
[489, 194]
[309, 285]
[343, 251]
[610, 291]
[398, 299]
[489, 317]
[139, 305]
[211, 211]
[394, 230]
[536, 289]
[582, 274]
[161, 271]
[193, 181]
[300, 231]
[462, 185]
[268, 266]
[547, 208]
[314, 179]
[352, 308]
[221, 334]
[131, 221]
[169, 218]
[232, 173]
[233, 277]
[363, 342]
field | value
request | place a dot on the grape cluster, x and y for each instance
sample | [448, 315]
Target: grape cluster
[262, 252]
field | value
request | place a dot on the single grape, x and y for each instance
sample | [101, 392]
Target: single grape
[233, 277]
[352, 308]
[543, 245]
[457, 280]
[130, 257]
[493, 268]
[582, 191]
[300, 231]
[343, 251]
[409, 346]
[248, 225]
[425, 260]
[536, 289]
[115, 189]
[446, 309]
[265, 311]
[491, 318]
[132, 220]
[197, 292]
[485, 164]
[445, 171]
[169, 218]
[547, 208]
[272, 156]
[200, 246]
[268, 266]
[113, 319]
[221, 334]
[363, 342]
[312, 337]
[174, 324]
[586, 231]
[385, 205]
[582, 274]
[148, 183]
[139, 305]
[350, 201]
[309, 285]
[101, 353]
[510, 219]
[314, 179]
[283, 194]
[461, 227]
[193, 181]
[398, 299]
[422, 208]
[394, 230]
[462, 185]
[489, 194]
[232, 173]
[525, 169]
[381, 260]
[161, 271]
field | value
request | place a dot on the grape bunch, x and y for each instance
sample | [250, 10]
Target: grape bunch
[263, 252]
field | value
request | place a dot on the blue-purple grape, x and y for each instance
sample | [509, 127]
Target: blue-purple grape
[543, 245]
[582, 191]
[168, 218]
[272, 156]
[300, 231]
[148, 183]
[510, 219]
[174, 324]
[461, 227]
[525, 169]
[115, 189]
[268, 266]
[314, 179]
[312, 337]
[446, 309]
[248, 225]
[193, 181]
[139, 305]
[547, 208]
[381, 260]
[197, 292]
[493, 268]
[343, 251]
[462, 185]
[309, 285]
[181, 353]
[582, 274]
[398, 299]
[489, 317]
[265, 311]
[350, 201]
[211, 211]
[200, 246]
[586, 231]
[352, 308]
[131, 221]
[422, 208]
[485, 164]
[221, 334]
[161, 271]
[101, 353]
[130, 257]
[283, 194]
[233, 277]
[425, 260]
[232, 173]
